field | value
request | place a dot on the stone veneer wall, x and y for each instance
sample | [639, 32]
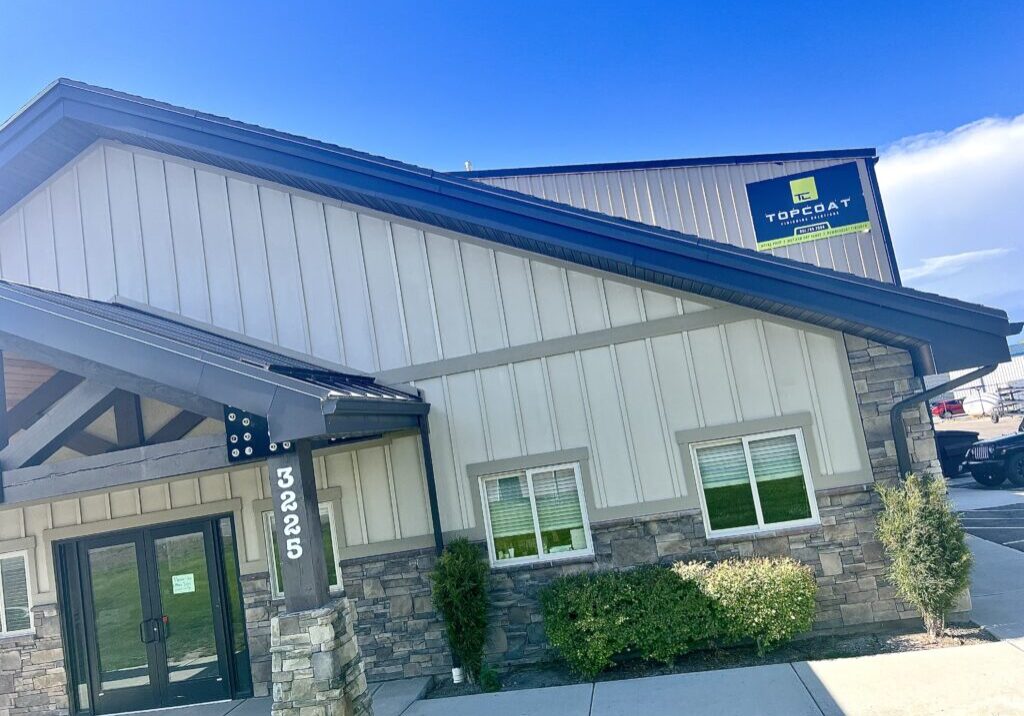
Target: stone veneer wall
[882, 376]
[401, 636]
[32, 674]
[846, 558]
[317, 669]
[396, 626]
[259, 608]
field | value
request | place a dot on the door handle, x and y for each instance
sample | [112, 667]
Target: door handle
[148, 632]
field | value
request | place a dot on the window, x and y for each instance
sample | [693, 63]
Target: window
[536, 514]
[328, 533]
[755, 482]
[15, 600]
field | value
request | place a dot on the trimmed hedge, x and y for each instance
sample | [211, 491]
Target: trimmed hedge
[768, 600]
[658, 614]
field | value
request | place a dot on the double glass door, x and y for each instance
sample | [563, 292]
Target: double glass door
[153, 617]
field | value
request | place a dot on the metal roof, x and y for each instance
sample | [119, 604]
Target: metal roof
[863, 153]
[941, 333]
[192, 367]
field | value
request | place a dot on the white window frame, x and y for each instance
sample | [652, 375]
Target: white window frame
[761, 526]
[268, 540]
[539, 557]
[28, 588]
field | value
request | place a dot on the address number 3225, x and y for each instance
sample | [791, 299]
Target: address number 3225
[289, 506]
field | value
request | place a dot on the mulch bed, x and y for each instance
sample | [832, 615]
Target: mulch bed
[891, 640]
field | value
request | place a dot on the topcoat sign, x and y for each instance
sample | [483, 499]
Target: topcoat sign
[809, 206]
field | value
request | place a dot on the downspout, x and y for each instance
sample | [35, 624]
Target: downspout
[428, 468]
[899, 432]
[435, 518]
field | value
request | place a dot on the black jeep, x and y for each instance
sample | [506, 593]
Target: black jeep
[991, 462]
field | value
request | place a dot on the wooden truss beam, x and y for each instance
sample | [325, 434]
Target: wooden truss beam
[32, 406]
[115, 469]
[68, 416]
[176, 428]
[128, 420]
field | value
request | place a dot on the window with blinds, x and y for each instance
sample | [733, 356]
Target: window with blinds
[15, 594]
[755, 482]
[535, 514]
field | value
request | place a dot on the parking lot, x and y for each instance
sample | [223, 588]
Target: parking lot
[1002, 524]
[985, 428]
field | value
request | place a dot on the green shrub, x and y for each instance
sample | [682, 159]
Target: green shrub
[674, 615]
[766, 600]
[659, 614]
[930, 563]
[460, 597]
[649, 612]
[587, 618]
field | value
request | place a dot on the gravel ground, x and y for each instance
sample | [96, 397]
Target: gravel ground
[909, 638]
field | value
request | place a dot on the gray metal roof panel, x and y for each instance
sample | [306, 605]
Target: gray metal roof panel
[339, 385]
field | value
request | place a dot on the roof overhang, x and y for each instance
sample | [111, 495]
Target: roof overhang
[180, 367]
[941, 333]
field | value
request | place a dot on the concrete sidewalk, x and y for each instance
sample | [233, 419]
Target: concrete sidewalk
[390, 698]
[997, 581]
[997, 590]
[982, 679]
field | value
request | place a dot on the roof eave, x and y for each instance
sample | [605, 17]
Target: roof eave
[560, 232]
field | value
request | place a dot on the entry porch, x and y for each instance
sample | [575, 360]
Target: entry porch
[236, 411]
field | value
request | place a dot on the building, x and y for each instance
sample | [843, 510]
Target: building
[245, 371]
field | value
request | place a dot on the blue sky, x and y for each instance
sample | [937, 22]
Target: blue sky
[529, 83]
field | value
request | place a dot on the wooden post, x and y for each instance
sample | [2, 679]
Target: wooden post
[128, 420]
[297, 528]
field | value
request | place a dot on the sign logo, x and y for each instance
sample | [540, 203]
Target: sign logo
[803, 190]
[809, 206]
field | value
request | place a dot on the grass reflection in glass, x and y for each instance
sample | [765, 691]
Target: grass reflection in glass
[730, 506]
[784, 500]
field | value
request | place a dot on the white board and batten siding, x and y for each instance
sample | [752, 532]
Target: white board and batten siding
[384, 480]
[709, 201]
[400, 300]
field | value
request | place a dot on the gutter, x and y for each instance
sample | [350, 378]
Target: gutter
[899, 432]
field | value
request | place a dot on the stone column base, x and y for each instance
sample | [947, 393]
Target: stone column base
[316, 665]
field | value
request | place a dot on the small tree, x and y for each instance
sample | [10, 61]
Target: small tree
[930, 563]
[460, 596]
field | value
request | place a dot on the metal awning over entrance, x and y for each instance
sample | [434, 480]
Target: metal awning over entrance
[278, 406]
[183, 363]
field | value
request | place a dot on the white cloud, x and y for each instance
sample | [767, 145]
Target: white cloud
[955, 204]
[945, 266]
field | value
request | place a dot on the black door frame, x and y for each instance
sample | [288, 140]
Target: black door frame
[75, 606]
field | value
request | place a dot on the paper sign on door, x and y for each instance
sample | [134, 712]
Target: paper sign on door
[183, 583]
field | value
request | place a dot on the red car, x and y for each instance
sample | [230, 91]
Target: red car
[948, 408]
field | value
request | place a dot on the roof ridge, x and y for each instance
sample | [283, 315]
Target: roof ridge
[632, 165]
